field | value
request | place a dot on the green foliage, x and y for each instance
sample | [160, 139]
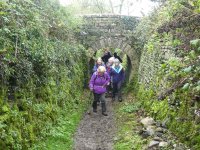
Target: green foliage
[99, 53]
[187, 67]
[61, 136]
[126, 117]
[130, 108]
[183, 75]
[195, 43]
[38, 70]
[171, 67]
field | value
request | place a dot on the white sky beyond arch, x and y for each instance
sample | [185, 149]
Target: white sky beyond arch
[130, 7]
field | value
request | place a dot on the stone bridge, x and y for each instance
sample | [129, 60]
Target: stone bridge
[113, 31]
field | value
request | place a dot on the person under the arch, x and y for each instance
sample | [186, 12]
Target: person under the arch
[118, 76]
[106, 56]
[108, 70]
[98, 63]
[109, 64]
[117, 57]
[98, 85]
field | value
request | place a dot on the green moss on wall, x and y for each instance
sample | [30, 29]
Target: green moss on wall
[42, 70]
[169, 70]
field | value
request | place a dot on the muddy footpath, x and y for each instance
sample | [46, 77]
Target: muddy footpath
[96, 132]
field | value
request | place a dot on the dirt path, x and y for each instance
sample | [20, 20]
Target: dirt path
[96, 132]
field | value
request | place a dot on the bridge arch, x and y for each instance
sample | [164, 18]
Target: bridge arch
[113, 31]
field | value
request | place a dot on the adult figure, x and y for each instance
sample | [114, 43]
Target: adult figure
[108, 70]
[98, 84]
[109, 64]
[118, 75]
[98, 63]
[106, 56]
[117, 57]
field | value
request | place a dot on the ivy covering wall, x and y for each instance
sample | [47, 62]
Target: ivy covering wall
[169, 73]
[42, 69]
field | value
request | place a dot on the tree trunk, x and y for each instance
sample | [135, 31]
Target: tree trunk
[111, 5]
[99, 6]
[120, 6]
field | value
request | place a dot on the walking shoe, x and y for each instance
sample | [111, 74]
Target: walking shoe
[105, 114]
[120, 99]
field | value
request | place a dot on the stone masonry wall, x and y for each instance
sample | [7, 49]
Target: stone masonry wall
[151, 61]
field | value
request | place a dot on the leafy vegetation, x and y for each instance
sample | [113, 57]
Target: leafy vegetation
[38, 70]
[170, 89]
[130, 108]
[43, 70]
[60, 136]
[126, 118]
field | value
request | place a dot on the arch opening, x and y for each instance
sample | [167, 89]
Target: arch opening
[127, 64]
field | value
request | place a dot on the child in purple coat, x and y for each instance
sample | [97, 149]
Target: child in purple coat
[98, 84]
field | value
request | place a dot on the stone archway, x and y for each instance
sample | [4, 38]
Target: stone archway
[116, 31]
[122, 44]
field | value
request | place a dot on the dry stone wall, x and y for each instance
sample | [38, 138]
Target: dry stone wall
[151, 61]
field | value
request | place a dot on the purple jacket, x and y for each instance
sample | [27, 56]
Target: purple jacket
[98, 83]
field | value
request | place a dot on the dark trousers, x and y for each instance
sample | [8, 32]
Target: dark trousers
[101, 98]
[109, 88]
[117, 90]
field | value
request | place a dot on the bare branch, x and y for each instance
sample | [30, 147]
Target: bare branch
[111, 5]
